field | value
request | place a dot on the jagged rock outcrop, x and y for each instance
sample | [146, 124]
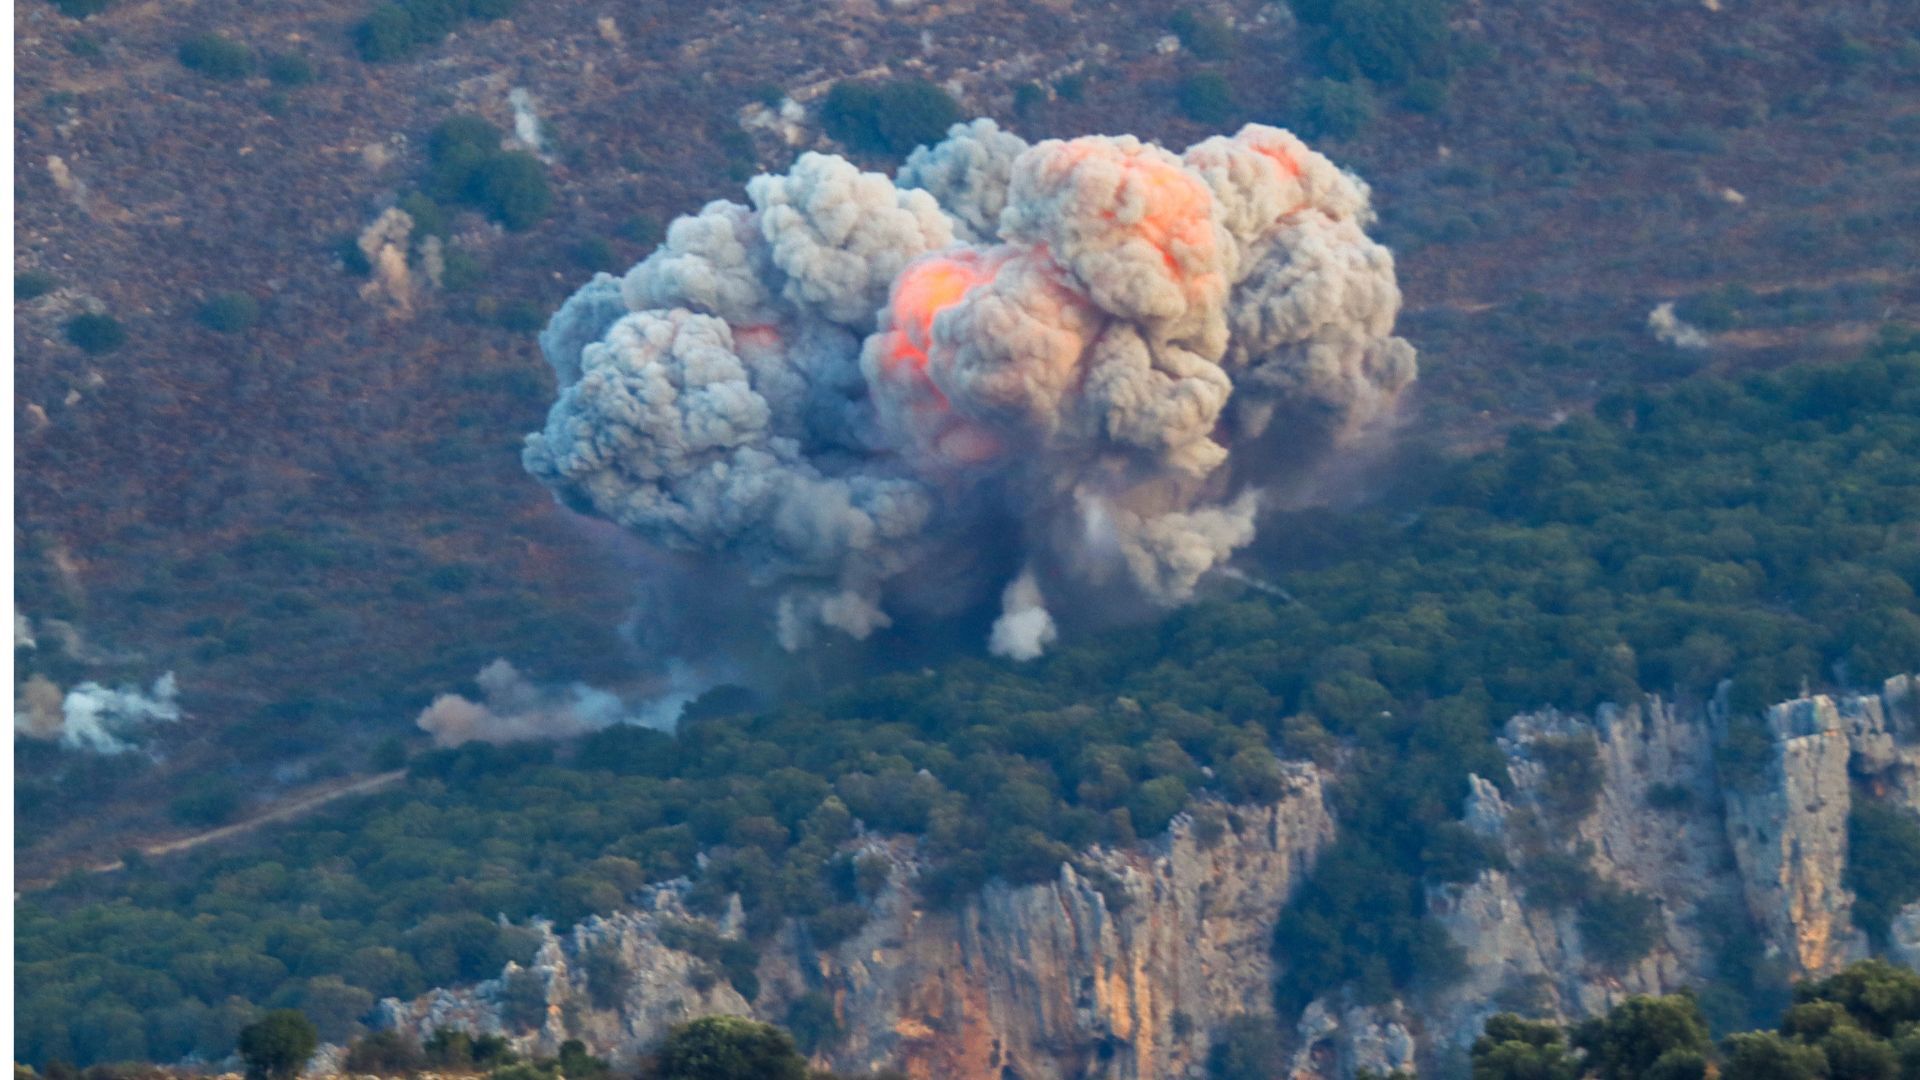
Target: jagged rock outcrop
[1120, 968]
[1123, 965]
[1665, 824]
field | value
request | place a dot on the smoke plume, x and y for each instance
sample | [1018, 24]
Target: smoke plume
[1052, 370]
[513, 709]
[92, 717]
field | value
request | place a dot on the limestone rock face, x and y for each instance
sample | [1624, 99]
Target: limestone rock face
[1123, 964]
[1789, 833]
[1118, 969]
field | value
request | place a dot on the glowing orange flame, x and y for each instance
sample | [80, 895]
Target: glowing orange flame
[924, 290]
[756, 336]
[1164, 204]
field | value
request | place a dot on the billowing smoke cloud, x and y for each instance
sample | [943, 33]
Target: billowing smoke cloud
[1050, 370]
[513, 709]
[92, 717]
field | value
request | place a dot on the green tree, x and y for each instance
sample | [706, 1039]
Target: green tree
[277, 1046]
[1638, 1032]
[888, 117]
[1766, 1055]
[96, 333]
[1246, 1048]
[729, 1048]
[1513, 1048]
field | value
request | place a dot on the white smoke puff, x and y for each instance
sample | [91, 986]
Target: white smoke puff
[580, 322]
[1668, 328]
[512, 709]
[841, 235]
[23, 631]
[1025, 627]
[967, 174]
[714, 262]
[1137, 231]
[105, 721]
[526, 121]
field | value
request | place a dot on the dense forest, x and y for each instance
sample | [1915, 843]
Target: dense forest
[1764, 532]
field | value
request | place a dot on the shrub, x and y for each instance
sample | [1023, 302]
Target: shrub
[392, 31]
[33, 284]
[1335, 109]
[1571, 787]
[1617, 925]
[230, 312]
[216, 57]
[384, 1054]
[1206, 37]
[729, 1048]
[1387, 41]
[1246, 1048]
[512, 188]
[277, 1046]
[96, 333]
[1206, 97]
[889, 117]
[1883, 864]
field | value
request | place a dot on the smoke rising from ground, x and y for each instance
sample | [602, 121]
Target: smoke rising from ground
[514, 709]
[1050, 370]
[93, 717]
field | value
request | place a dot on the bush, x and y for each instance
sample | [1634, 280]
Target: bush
[33, 284]
[96, 333]
[729, 1048]
[277, 1046]
[1206, 97]
[385, 1053]
[1571, 788]
[1883, 864]
[1334, 109]
[512, 188]
[216, 57]
[1387, 41]
[395, 30]
[1617, 925]
[230, 312]
[889, 117]
[1206, 37]
[466, 164]
[1247, 1048]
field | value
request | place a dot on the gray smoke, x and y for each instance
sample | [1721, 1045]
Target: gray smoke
[91, 716]
[514, 709]
[1037, 370]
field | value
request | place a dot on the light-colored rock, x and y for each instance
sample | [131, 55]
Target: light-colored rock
[1119, 969]
[1122, 965]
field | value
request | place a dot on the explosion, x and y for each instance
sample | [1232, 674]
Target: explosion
[1010, 369]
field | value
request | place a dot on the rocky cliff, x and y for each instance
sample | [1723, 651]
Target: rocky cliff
[1631, 853]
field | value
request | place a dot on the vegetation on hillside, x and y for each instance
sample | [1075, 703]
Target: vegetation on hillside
[1763, 532]
[1861, 1024]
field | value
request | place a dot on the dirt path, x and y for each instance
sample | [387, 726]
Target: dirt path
[286, 811]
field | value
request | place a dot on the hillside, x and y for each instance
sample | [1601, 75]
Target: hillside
[1360, 704]
[340, 472]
